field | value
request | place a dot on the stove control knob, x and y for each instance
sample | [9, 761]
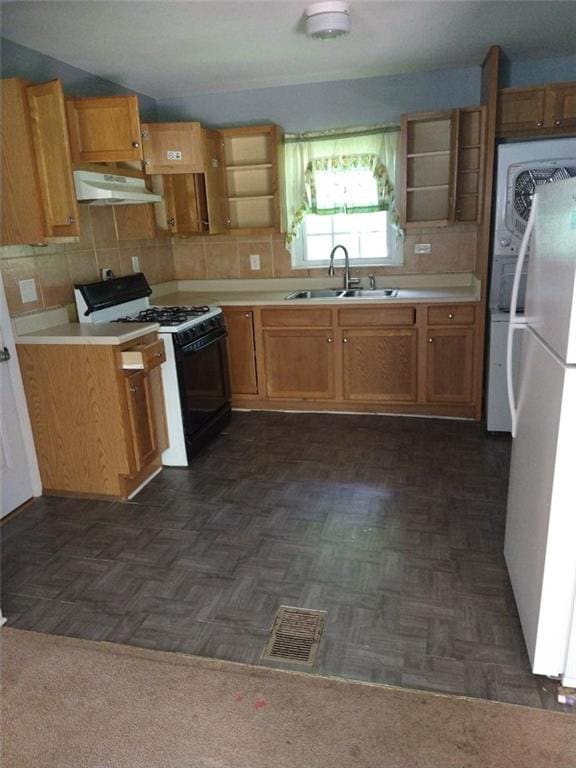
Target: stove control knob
[202, 326]
[505, 242]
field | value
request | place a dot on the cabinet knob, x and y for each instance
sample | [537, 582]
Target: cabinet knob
[345, 341]
[158, 354]
[135, 144]
[71, 220]
[247, 314]
[329, 341]
[557, 122]
[539, 123]
[430, 341]
[450, 316]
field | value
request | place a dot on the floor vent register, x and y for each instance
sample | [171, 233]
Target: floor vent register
[295, 635]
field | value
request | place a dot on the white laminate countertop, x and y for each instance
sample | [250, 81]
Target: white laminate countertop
[88, 333]
[267, 297]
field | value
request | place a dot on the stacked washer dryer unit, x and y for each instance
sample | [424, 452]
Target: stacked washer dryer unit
[521, 168]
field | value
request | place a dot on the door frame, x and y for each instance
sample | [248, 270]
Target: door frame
[19, 396]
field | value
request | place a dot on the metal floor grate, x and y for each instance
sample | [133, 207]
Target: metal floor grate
[295, 635]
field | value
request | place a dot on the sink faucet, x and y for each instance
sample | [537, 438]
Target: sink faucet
[348, 281]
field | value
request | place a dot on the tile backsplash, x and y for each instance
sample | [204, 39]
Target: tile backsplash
[218, 257]
[56, 267]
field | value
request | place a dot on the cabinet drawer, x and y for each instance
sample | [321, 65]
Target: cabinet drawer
[457, 315]
[290, 318]
[376, 316]
[144, 356]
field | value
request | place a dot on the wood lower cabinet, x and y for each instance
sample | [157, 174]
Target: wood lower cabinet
[141, 417]
[98, 421]
[241, 351]
[423, 359]
[450, 365]
[299, 363]
[380, 364]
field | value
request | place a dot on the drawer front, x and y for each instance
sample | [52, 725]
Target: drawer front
[297, 318]
[144, 356]
[381, 316]
[451, 315]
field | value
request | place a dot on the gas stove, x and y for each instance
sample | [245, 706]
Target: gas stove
[174, 319]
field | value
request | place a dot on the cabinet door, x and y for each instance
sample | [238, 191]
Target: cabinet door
[142, 418]
[104, 130]
[381, 364]
[50, 133]
[450, 365]
[241, 351]
[185, 200]
[172, 147]
[299, 364]
[215, 182]
[22, 214]
[562, 114]
[520, 111]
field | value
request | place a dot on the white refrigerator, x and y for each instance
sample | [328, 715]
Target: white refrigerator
[540, 542]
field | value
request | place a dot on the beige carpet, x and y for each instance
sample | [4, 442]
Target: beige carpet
[78, 704]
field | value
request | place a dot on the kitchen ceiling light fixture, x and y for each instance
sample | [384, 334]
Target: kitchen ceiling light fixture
[327, 20]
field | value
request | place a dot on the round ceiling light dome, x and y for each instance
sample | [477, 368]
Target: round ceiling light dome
[327, 20]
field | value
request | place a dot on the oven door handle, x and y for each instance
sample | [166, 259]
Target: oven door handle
[221, 333]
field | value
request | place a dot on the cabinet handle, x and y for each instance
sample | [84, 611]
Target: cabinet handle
[430, 341]
[135, 144]
[450, 316]
[329, 341]
[558, 122]
[539, 123]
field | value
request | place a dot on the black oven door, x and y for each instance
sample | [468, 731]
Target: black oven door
[204, 384]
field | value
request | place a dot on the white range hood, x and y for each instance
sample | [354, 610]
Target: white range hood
[99, 188]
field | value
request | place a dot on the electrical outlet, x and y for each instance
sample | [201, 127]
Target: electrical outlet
[174, 154]
[135, 264]
[28, 290]
[254, 261]
[107, 273]
[423, 248]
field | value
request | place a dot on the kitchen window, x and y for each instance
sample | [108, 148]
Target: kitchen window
[340, 192]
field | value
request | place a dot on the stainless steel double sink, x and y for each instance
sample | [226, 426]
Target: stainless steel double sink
[340, 293]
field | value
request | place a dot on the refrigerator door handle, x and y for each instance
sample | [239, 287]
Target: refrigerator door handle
[515, 321]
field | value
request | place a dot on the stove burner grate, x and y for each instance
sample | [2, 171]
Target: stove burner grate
[165, 315]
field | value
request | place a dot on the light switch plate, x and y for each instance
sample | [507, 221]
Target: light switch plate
[28, 290]
[254, 261]
[423, 248]
[135, 264]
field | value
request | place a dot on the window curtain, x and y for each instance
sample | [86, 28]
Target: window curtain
[340, 173]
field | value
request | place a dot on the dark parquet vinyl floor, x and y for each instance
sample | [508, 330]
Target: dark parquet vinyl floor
[392, 525]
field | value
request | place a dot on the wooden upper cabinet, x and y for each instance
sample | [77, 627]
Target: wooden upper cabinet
[22, 213]
[561, 106]
[134, 222]
[442, 167]
[172, 148]
[381, 365]
[50, 133]
[542, 110]
[520, 110]
[241, 351]
[252, 168]
[213, 159]
[104, 130]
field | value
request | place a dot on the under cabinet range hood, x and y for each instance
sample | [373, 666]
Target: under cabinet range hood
[100, 188]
